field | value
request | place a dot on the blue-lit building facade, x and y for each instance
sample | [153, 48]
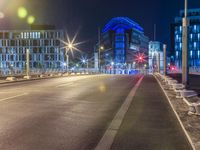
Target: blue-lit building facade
[193, 41]
[122, 39]
[44, 46]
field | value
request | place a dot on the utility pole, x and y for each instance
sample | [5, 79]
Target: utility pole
[185, 67]
[27, 63]
[165, 59]
[99, 48]
[67, 61]
[154, 32]
[158, 62]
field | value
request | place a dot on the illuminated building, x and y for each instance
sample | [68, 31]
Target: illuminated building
[122, 39]
[44, 45]
[193, 41]
[155, 49]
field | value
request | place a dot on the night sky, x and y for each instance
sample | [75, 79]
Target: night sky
[87, 15]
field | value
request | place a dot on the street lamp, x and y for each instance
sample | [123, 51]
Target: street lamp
[185, 67]
[85, 61]
[70, 45]
[100, 49]
[165, 59]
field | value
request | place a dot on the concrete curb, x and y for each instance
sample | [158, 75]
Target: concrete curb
[33, 79]
[182, 126]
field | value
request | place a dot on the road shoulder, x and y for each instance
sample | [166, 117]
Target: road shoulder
[189, 123]
[150, 123]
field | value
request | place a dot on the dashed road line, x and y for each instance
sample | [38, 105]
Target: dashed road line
[62, 85]
[13, 97]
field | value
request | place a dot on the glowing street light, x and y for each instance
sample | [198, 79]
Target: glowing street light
[22, 12]
[85, 61]
[70, 45]
[30, 20]
[2, 15]
[102, 48]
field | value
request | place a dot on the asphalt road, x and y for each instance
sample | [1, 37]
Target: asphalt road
[60, 114]
[73, 113]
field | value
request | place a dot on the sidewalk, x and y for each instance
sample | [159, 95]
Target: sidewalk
[150, 123]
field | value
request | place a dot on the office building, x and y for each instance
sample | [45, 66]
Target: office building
[44, 46]
[193, 38]
[122, 39]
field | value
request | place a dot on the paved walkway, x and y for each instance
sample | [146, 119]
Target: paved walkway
[150, 123]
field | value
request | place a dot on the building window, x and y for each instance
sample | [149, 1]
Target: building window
[176, 54]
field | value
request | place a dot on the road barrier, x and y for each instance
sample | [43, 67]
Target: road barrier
[190, 97]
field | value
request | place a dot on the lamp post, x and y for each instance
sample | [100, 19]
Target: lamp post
[27, 64]
[158, 61]
[85, 61]
[67, 60]
[185, 67]
[100, 47]
[165, 60]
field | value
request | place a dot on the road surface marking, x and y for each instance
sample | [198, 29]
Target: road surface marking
[108, 137]
[66, 84]
[176, 114]
[13, 97]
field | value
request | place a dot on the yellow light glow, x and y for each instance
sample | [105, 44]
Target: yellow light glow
[70, 46]
[102, 48]
[22, 12]
[1, 15]
[102, 88]
[30, 19]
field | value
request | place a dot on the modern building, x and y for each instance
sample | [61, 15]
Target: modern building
[155, 55]
[194, 38]
[122, 39]
[44, 46]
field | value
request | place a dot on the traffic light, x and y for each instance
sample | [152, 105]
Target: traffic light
[140, 58]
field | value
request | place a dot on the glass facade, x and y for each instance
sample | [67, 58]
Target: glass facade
[193, 38]
[44, 46]
[122, 38]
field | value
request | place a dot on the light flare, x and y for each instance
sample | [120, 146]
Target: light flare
[22, 12]
[71, 45]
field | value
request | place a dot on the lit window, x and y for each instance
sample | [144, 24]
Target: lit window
[22, 35]
[191, 36]
[195, 45]
[180, 28]
[198, 53]
[33, 35]
[195, 28]
[177, 37]
[176, 54]
[38, 34]
[191, 53]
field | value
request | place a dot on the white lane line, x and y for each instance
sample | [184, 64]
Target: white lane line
[108, 137]
[13, 97]
[176, 114]
[66, 84]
